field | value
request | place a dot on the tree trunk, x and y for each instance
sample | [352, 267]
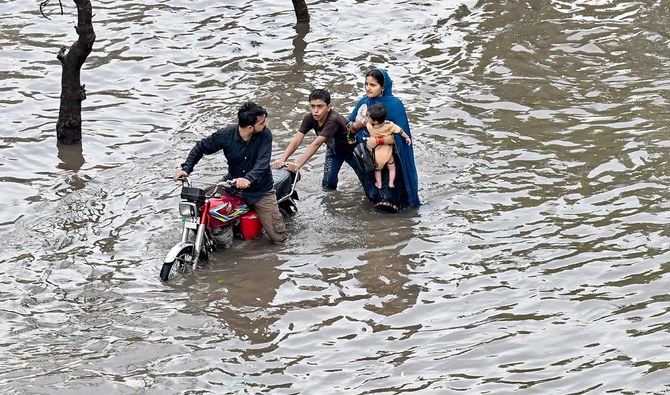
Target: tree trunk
[68, 127]
[301, 12]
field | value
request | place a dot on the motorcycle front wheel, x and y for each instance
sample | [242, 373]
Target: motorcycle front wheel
[180, 266]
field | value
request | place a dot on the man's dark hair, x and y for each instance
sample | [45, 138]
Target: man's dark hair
[249, 112]
[320, 94]
[377, 112]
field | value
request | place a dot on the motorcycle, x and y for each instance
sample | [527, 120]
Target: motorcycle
[212, 221]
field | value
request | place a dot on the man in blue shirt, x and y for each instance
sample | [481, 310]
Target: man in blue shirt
[247, 147]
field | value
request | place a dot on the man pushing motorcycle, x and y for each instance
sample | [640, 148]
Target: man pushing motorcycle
[247, 147]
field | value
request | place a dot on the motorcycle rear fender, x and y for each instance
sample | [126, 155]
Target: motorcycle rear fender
[284, 182]
[176, 249]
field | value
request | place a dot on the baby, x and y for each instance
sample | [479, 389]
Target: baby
[378, 126]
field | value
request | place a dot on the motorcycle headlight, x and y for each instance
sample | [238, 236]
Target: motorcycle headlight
[187, 209]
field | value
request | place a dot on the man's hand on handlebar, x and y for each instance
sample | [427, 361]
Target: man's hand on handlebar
[179, 174]
[241, 183]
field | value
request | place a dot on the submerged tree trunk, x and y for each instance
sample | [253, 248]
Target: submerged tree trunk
[68, 127]
[301, 12]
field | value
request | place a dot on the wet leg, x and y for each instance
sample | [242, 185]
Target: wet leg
[269, 215]
[331, 167]
[391, 166]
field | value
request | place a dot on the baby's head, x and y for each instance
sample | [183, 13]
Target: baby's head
[377, 113]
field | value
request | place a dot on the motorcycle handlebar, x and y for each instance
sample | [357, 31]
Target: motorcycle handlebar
[186, 181]
[228, 184]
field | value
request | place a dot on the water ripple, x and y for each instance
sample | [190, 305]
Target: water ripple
[536, 265]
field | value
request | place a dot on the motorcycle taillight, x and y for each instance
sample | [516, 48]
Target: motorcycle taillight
[187, 209]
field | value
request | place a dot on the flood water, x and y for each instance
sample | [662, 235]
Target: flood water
[539, 263]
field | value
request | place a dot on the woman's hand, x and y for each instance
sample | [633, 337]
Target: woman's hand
[357, 124]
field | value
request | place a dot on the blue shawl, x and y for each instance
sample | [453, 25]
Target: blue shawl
[397, 114]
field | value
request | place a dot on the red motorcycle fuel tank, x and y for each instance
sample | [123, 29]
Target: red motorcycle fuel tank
[226, 209]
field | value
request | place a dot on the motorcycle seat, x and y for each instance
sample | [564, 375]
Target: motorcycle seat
[283, 182]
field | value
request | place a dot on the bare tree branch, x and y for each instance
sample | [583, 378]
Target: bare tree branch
[45, 3]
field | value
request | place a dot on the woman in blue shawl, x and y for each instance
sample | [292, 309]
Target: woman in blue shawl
[379, 89]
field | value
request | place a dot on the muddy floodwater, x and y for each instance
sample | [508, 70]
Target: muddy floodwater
[539, 262]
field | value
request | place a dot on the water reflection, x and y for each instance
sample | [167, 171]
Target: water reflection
[242, 285]
[299, 43]
[385, 270]
[71, 156]
[537, 264]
